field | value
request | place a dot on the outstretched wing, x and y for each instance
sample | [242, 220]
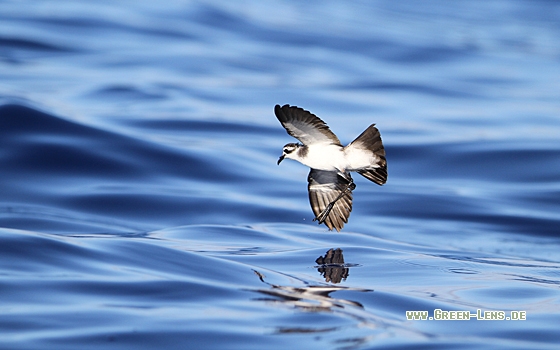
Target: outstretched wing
[324, 187]
[304, 126]
[367, 155]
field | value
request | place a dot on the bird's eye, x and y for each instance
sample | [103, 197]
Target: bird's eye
[289, 150]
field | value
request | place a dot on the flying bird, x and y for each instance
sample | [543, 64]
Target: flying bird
[330, 185]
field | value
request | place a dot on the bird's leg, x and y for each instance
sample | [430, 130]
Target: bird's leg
[350, 186]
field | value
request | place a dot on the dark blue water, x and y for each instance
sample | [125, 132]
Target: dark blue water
[141, 206]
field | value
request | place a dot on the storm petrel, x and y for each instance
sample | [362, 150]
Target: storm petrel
[330, 185]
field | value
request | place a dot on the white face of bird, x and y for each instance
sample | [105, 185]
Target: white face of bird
[288, 152]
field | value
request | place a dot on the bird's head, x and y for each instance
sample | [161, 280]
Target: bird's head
[289, 151]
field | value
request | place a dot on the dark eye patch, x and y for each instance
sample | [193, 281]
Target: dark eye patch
[288, 150]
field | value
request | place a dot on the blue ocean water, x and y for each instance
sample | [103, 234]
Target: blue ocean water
[141, 206]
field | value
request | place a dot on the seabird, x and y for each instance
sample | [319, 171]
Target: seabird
[330, 185]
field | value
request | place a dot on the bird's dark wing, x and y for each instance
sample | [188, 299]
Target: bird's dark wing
[304, 126]
[324, 187]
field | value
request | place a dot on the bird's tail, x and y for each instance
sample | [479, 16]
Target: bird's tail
[370, 140]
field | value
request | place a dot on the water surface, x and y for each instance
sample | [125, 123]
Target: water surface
[141, 205]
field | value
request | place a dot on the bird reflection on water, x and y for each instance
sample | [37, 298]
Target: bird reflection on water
[332, 266]
[313, 298]
[316, 298]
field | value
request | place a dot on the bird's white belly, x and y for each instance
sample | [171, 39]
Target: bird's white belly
[326, 157]
[358, 159]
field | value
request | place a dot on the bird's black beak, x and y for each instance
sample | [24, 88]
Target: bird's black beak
[280, 159]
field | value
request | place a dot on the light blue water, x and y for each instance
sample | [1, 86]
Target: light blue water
[141, 206]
